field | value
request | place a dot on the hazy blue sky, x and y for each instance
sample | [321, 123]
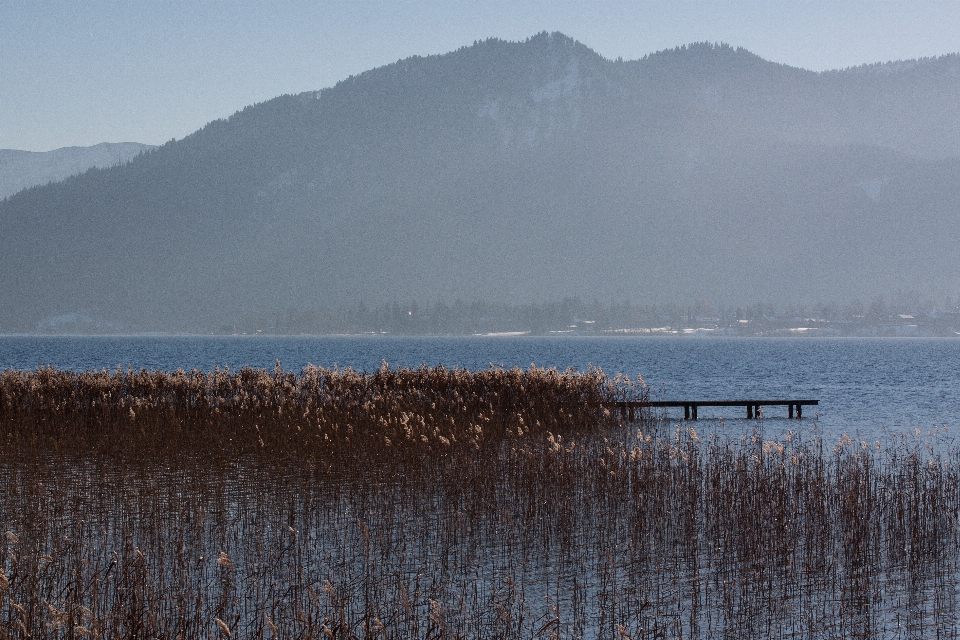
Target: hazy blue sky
[78, 72]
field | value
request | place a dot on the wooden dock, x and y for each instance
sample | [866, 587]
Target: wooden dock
[753, 407]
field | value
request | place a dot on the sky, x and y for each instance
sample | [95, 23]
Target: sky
[80, 72]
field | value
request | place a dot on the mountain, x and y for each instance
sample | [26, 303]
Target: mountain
[514, 172]
[20, 170]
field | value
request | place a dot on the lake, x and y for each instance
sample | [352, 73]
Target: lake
[870, 388]
[725, 538]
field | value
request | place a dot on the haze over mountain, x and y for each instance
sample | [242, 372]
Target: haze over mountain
[20, 170]
[514, 172]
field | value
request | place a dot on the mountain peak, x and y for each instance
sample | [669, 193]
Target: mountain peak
[706, 58]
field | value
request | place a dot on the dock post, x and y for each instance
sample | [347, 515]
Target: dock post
[749, 412]
[799, 411]
[790, 410]
[694, 408]
[686, 412]
[623, 411]
[630, 416]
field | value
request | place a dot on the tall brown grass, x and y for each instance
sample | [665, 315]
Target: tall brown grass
[551, 520]
[316, 413]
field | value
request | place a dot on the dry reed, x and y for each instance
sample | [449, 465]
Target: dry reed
[551, 520]
[317, 413]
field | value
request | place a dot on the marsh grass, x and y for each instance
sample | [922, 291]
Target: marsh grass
[271, 505]
[318, 413]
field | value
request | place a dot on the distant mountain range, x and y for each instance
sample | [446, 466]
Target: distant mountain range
[20, 170]
[513, 172]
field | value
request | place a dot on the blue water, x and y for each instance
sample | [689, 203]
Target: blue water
[870, 388]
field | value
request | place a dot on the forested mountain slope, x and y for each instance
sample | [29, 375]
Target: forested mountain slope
[514, 172]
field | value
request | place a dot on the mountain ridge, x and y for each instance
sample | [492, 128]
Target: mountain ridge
[511, 172]
[21, 170]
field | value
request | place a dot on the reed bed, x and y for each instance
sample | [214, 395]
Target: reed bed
[318, 413]
[554, 521]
